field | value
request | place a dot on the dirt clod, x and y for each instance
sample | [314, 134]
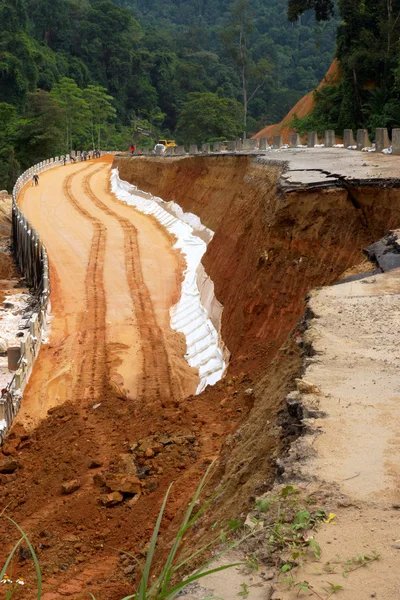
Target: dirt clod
[8, 465]
[112, 499]
[69, 487]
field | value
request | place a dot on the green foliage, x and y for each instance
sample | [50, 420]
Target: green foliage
[207, 117]
[149, 56]
[323, 8]
[326, 113]
[367, 48]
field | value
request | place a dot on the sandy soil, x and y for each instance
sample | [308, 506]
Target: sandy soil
[353, 454]
[114, 278]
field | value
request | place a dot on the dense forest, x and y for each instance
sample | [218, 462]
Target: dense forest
[82, 74]
[369, 54]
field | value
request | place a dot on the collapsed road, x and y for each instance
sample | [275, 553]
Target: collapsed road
[99, 439]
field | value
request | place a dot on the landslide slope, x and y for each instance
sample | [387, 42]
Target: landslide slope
[304, 107]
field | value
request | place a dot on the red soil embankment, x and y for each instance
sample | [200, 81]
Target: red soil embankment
[303, 108]
[267, 253]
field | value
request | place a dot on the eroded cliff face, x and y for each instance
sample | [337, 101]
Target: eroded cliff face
[269, 250]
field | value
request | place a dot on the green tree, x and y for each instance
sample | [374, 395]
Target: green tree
[41, 131]
[9, 166]
[323, 8]
[75, 110]
[236, 41]
[100, 109]
[206, 117]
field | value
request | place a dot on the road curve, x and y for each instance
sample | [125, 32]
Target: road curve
[114, 277]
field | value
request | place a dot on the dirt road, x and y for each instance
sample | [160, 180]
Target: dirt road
[110, 398]
[114, 277]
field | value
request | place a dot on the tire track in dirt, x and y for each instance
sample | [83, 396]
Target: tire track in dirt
[91, 379]
[157, 381]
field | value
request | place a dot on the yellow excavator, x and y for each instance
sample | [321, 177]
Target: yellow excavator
[167, 143]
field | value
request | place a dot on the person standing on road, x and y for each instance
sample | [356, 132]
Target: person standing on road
[35, 179]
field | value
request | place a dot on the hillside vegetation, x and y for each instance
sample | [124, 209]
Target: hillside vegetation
[368, 52]
[80, 73]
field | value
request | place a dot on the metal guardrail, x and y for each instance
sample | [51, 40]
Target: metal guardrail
[32, 260]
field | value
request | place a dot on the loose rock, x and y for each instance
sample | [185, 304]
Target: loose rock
[70, 487]
[306, 387]
[111, 499]
[126, 484]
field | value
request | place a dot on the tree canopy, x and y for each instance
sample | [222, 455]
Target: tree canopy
[96, 67]
[367, 49]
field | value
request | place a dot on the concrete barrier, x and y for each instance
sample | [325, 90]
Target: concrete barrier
[294, 140]
[193, 149]
[348, 138]
[249, 145]
[396, 141]
[239, 145]
[179, 150]
[312, 139]
[170, 151]
[232, 146]
[363, 139]
[206, 148]
[330, 138]
[382, 140]
[217, 146]
[277, 142]
[264, 143]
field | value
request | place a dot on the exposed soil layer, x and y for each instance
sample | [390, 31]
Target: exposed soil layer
[268, 251]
